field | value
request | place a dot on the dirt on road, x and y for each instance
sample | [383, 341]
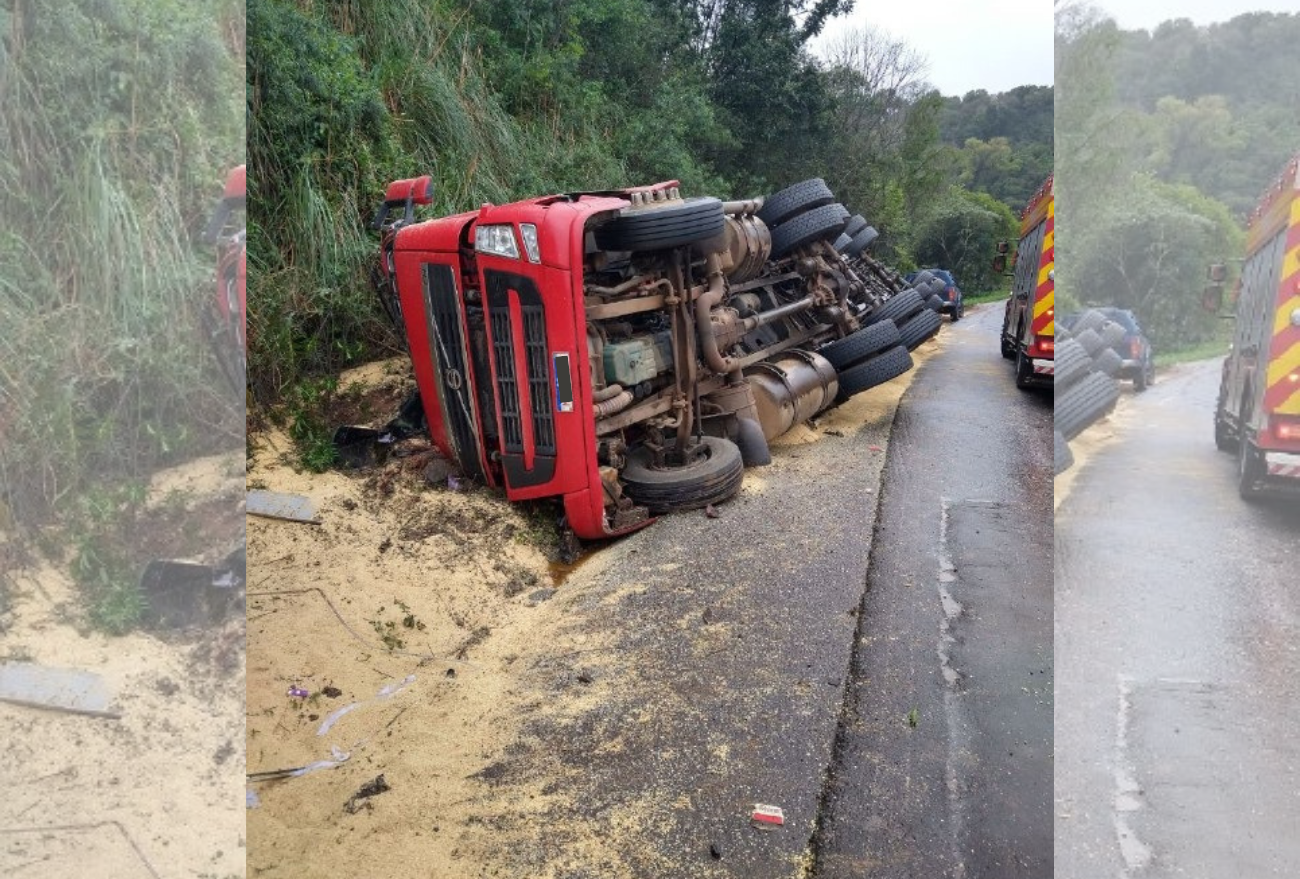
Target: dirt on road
[156, 791]
[426, 635]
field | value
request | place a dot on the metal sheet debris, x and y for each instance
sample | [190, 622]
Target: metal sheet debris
[56, 689]
[277, 505]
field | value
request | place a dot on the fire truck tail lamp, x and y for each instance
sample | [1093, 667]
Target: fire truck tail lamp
[1286, 428]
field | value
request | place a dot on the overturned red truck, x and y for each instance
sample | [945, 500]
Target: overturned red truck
[631, 351]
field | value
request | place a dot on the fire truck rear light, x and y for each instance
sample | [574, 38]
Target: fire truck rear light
[1295, 317]
[1047, 344]
[529, 233]
[497, 240]
[1285, 428]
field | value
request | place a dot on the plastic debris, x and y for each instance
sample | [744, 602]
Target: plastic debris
[391, 690]
[276, 505]
[369, 789]
[455, 483]
[253, 799]
[767, 817]
[300, 692]
[333, 717]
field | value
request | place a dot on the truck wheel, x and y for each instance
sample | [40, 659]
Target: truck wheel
[712, 478]
[843, 353]
[924, 325]
[898, 308]
[1061, 454]
[1008, 348]
[876, 371]
[823, 222]
[935, 302]
[922, 278]
[842, 242]
[1112, 334]
[1072, 364]
[1250, 470]
[1090, 341]
[861, 240]
[660, 228]
[1090, 320]
[1081, 405]
[794, 200]
[1108, 361]
[856, 224]
[1224, 441]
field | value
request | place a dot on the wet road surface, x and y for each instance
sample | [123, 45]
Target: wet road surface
[1177, 652]
[943, 764]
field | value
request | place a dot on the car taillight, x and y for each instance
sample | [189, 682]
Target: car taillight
[1135, 348]
[952, 293]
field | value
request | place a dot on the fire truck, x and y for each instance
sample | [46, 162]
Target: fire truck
[1028, 327]
[631, 351]
[226, 318]
[1258, 409]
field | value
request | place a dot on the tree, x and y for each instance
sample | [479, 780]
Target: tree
[961, 235]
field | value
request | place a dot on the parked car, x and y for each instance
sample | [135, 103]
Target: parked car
[1137, 358]
[950, 294]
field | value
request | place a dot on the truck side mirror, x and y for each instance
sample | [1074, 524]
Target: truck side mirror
[1000, 263]
[1218, 273]
[1212, 298]
[1003, 247]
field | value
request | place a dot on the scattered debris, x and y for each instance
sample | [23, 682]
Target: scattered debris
[834, 432]
[711, 511]
[455, 483]
[913, 718]
[767, 817]
[451, 672]
[299, 692]
[876, 449]
[56, 689]
[334, 716]
[585, 678]
[715, 851]
[540, 595]
[437, 471]
[252, 799]
[332, 692]
[277, 505]
[367, 790]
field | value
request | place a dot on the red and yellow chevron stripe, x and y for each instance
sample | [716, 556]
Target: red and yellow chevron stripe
[1282, 394]
[1044, 323]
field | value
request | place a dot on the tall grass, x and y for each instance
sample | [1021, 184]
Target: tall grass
[117, 121]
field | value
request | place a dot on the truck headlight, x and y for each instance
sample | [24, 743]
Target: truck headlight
[497, 240]
[529, 233]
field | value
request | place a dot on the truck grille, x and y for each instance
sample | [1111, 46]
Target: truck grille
[448, 353]
[536, 360]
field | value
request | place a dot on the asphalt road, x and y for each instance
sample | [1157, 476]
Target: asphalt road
[943, 766]
[1178, 655]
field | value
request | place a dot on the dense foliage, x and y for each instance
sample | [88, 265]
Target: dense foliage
[118, 121]
[1166, 140]
[501, 99]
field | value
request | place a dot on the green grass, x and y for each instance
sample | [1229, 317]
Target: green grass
[981, 298]
[1203, 351]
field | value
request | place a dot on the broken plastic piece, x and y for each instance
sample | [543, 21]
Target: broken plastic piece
[277, 505]
[767, 817]
[253, 800]
[334, 716]
[300, 692]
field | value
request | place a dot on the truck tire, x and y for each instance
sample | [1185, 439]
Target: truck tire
[713, 478]
[861, 241]
[794, 200]
[1111, 334]
[1072, 363]
[819, 223]
[661, 228]
[1108, 361]
[1224, 439]
[843, 353]
[875, 371]
[1085, 402]
[1090, 341]
[1090, 320]
[935, 303]
[856, 224]
[922, 278]
[922, 326]
[1062, 456]
[842, 242]
[1250, 470]
[898, 308]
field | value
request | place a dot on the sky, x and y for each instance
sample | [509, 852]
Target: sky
[994, 45]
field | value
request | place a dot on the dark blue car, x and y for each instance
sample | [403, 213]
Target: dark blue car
[950, 294]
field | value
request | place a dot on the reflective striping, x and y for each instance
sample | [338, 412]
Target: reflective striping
[1289, 406]
[1284, 364]
[1283, 318]
[1284, 470]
